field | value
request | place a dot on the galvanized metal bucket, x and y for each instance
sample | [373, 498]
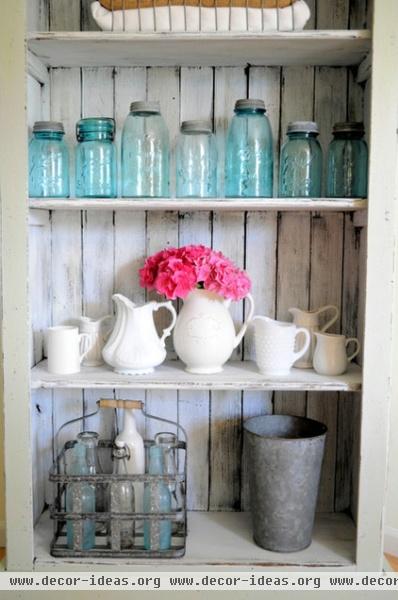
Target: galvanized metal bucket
[285, 456]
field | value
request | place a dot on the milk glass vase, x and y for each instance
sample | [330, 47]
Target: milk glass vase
[196, 161]
[347, 171]
[249, 152]
[95, 158]
[157, 498]
[300, 171]
[48, 161]
[80, 498]
[145, 152]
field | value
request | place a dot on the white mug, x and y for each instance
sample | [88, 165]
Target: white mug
[274, 343]
[330, 356]
[66, 349]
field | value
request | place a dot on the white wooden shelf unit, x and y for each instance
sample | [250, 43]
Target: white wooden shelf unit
[238, 375]
[301, 253]
[189, 204]
[229, 542]
[93, 49]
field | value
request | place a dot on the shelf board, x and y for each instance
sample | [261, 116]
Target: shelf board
[171, 376]
[225, 539]
[96, 49]
[216, 204]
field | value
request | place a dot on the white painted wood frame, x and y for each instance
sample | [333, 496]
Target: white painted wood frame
[294, 248]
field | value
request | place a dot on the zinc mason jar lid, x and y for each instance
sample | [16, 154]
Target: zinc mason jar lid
[302, 127]
[103, 127]
[50, 126]
[249, 104]
[196, 127]
[145, 106]
[349, 127]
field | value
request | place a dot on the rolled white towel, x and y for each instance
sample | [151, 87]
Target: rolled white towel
[193, 18]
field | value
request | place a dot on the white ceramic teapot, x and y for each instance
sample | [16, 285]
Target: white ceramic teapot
[134, 347]
[310, 320]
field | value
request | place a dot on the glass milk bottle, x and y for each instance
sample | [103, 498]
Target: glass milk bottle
[347, 175]
[300, 170]
[80, 498]
[95, 158]
[249, 152]
[122, 499]
[157, 499]
[196, 161]
[48, 161]
[145, 152]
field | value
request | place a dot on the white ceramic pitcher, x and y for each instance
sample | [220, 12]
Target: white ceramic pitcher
[310, 320]
[134, 347]
[205, 336]
[330, 356]
[274, 343]
[98, 334]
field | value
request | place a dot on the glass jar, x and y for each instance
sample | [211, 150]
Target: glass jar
[300, 169]
[48, 161]
[347, 171]
[157, 499]
[95, 158]
[196, 161]
[249, 152]
[145, 152]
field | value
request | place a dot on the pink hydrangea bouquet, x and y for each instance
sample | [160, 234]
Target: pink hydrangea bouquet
[174, 272]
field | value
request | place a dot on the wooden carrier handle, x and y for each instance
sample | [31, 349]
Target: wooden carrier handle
[127, 404]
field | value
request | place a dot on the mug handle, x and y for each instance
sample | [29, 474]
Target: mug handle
[242, 330]
[307, 342]
[170, 307]
[358, 347]
[333, 319]
[84, 345]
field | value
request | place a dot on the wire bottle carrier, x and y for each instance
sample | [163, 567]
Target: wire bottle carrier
[109, 524]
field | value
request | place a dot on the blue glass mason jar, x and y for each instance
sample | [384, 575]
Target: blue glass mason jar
[145, 152]
[196, 161]
[300, 168]
[347, 171]
[48, 161]
[249, 152]
[95, 158]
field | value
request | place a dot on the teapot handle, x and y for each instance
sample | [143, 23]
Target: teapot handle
[306, 345]
[170, 307]
[333, 319]
[249, 317]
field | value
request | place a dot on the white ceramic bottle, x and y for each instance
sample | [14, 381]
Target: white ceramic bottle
[135, 463]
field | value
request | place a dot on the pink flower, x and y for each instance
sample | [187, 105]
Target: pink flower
[175, 272]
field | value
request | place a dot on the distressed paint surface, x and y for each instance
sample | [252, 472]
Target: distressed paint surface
[282, 252]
